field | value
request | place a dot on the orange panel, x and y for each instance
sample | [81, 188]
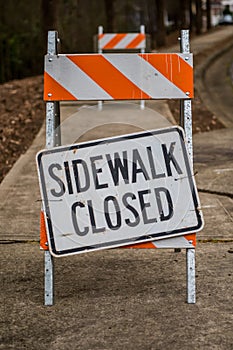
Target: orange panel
[114, 41]
[43, 233]
[135, 42]
[58, 92]
[191, 237]
[174, 68]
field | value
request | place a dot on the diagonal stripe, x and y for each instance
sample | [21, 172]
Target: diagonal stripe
[114, 41]
[73, 79]
[191, 237]
[143, 74]
[58, 92]
[110, 79]
[136, 42]
[174, 68]
[104, 39]
[125, 41]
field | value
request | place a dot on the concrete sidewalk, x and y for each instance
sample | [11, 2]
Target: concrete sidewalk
[121, 299]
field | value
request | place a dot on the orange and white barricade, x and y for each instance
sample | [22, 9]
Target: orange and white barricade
[85, 77]
[160, 76]
[121, 41]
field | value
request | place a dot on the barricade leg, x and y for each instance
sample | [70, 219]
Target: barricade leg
[52, 113]
[48, 262]
[53, 139]
[142, 104]
[48, 279]
[190, 275]
[100, 105]
[186, 123]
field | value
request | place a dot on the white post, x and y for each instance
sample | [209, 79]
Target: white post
[48, 278]
[190, 276]
[186, 123]
[100, 31]
[53, 138]
[142, 31]
[186, 105]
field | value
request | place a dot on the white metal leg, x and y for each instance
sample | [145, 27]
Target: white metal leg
[186, 123]
[48, 259]
[142, 104]
[100, 105]
[53, 138]
[191, 284]
[48, 279]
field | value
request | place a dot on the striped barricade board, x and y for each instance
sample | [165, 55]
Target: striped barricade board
[157, 193]
[121, 41]
[113, 77]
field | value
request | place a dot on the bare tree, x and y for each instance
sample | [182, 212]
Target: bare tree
[183, 14]
[151, 21]
[198, 16]
[208, 14]
[49, 17]
[161, 30]
[191, 17]
[109, 9]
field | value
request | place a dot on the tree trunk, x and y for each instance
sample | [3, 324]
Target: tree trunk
[49, 17]
[183, 14]
[190, 10]
[208, 14]
[161, 30]
[198, 16]
[109, 9]
[151, 27]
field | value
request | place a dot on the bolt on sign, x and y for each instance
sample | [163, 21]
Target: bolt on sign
[118, 191]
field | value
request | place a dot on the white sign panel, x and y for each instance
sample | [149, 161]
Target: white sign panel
[118, 191]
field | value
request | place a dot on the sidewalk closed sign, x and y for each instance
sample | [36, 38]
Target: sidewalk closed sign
[118, 191]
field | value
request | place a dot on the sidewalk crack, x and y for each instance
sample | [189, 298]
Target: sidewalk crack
[223, 194]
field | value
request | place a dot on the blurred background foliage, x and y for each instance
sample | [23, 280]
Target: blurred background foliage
[24, 25]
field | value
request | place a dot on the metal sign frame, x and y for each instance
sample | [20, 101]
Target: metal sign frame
[53, 139]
